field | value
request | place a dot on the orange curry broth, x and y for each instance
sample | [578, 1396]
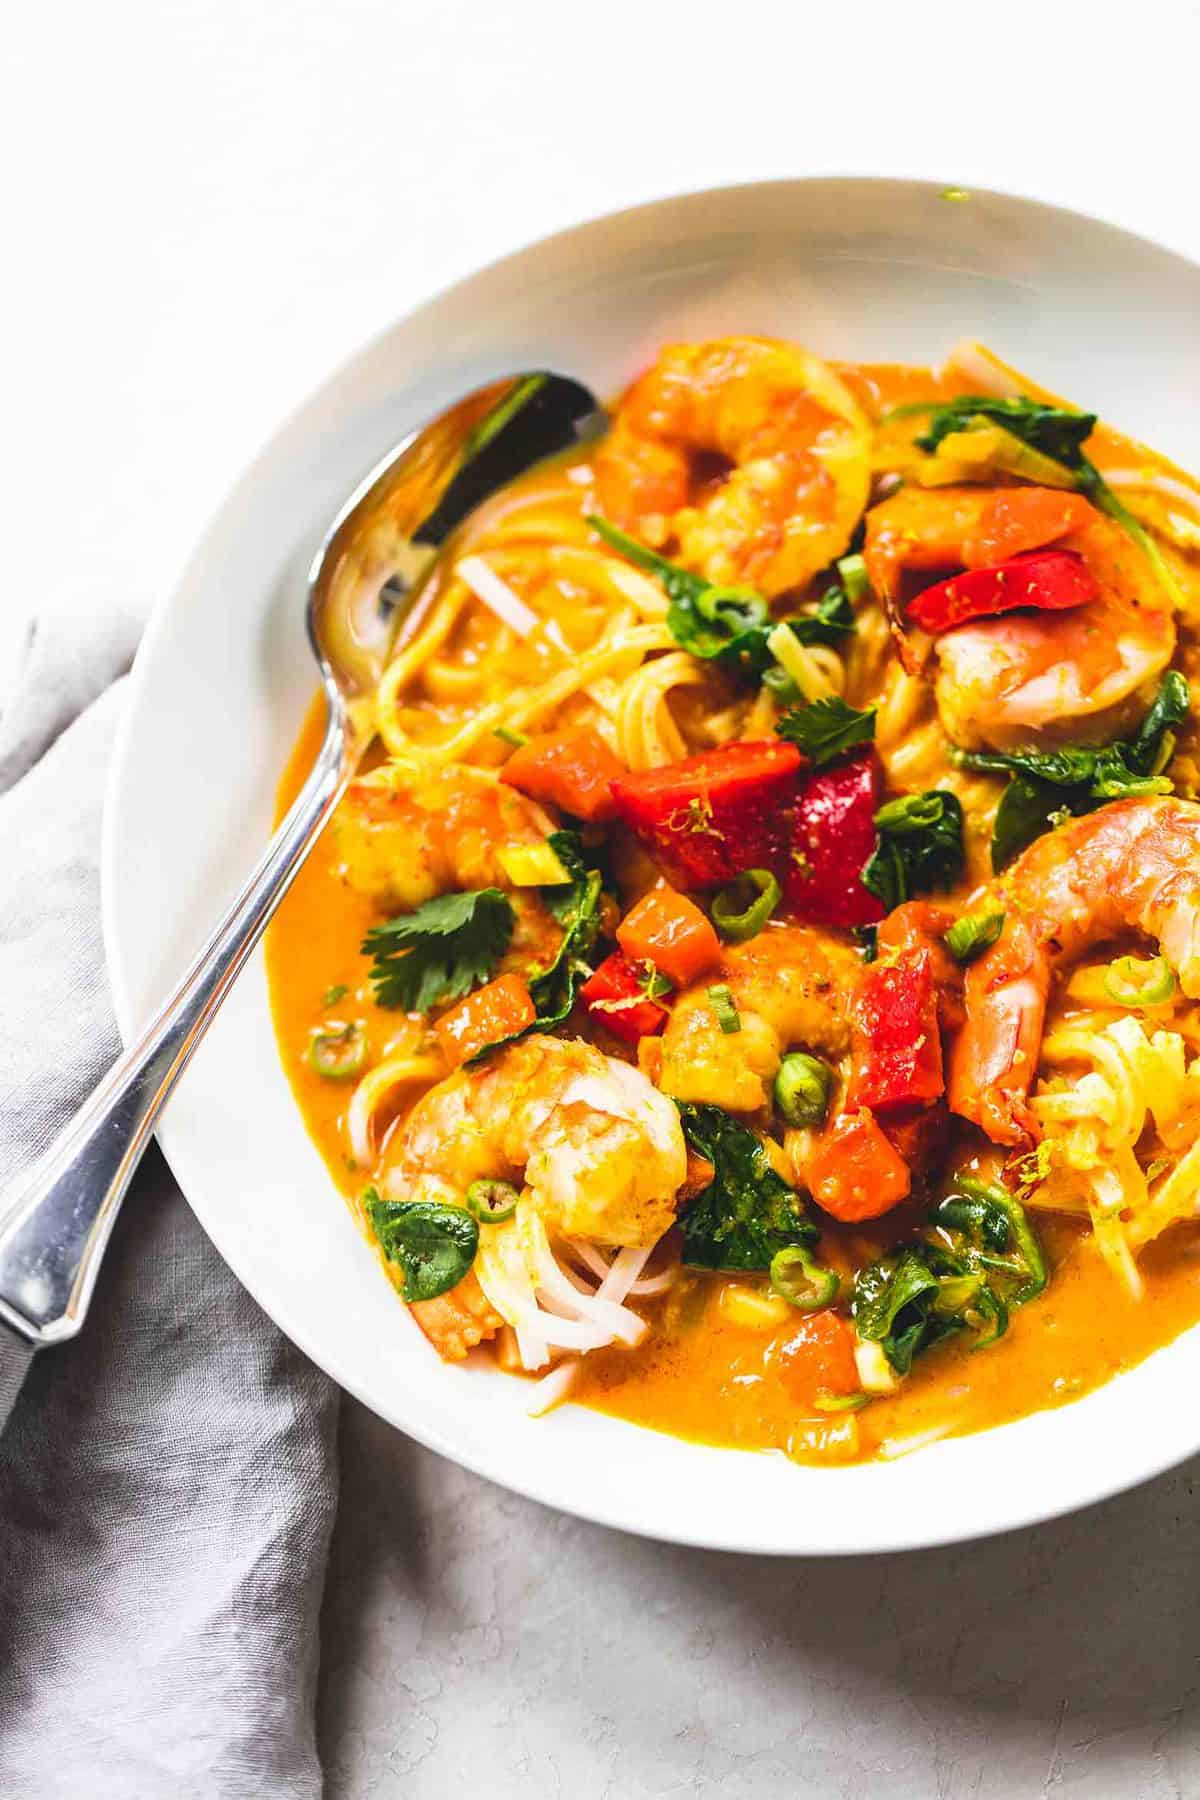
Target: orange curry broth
[697, 1375]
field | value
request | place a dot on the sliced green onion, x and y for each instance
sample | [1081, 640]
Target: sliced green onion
[802, 1088]
[787, 650]
[826, 1402]
[974, 933]
[332, 995]
[853, 573]
[802, 1281]
[734, 609]
[725, 1007]
[491, 1201]
[654, 983]
[1131, 981]
[336, 1052]
[736, 920]
[508, 736]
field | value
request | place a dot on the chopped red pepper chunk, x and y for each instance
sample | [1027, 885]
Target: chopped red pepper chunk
[854, 1172]
[897, 1048]
[572, 769]
[833, 840]
[615, 996]
[711, 817]
[1051, 580]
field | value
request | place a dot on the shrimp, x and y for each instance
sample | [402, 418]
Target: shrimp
[600, 1150]
[456, 1321]
[1002, 683]
[1132, 866]
[798, 443]
[406, 832]
[790, 985]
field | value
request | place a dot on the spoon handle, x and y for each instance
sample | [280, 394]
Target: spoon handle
[56, 1217]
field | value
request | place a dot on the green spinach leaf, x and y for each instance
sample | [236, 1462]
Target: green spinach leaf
[1047, 784]
[434, 1244]
[920, 846]
[747, 1212]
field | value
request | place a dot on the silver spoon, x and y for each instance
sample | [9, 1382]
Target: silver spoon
[363, 594]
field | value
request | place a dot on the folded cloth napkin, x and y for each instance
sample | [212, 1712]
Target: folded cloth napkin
[167, 1480]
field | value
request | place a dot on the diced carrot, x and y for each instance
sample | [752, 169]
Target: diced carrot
[817, 1357]
[854, 1172]
[572, 769]
[669, 930]
[615, 997]
[496, 1011]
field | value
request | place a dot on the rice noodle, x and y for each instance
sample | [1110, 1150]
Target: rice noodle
[985, 370]
[891, 1448]
[374, 1088]
[1153, 481]
[500, 599]
[553, 1388]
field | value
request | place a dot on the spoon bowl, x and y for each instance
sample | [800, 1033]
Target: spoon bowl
[363, 597]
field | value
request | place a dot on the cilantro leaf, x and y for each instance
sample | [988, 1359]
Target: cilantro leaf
[920, 846]
[441, 951]
[747, 1212]
[826, 728]
[576, 906]
[1046, 783]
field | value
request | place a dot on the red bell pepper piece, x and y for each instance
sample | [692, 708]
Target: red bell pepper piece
[616, 998]
[1050, 580]
[897, 1048]
[571, 769]
[710, 817]
[854, 1172]
[833, 840]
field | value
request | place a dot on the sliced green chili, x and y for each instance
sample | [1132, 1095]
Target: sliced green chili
[725, 1007]
[974, 933]
[1131, 981]
[336, 1051]
[803, 1282]
[491, 1201]
[738, 925]
[802, 1088]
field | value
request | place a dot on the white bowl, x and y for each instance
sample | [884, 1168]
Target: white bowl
[857, 268]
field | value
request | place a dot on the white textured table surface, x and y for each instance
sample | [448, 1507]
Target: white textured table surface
[209, 206]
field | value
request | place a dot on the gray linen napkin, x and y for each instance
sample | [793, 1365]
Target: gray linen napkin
[168, 1480]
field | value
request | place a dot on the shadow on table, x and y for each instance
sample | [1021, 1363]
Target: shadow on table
[475, 1639]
